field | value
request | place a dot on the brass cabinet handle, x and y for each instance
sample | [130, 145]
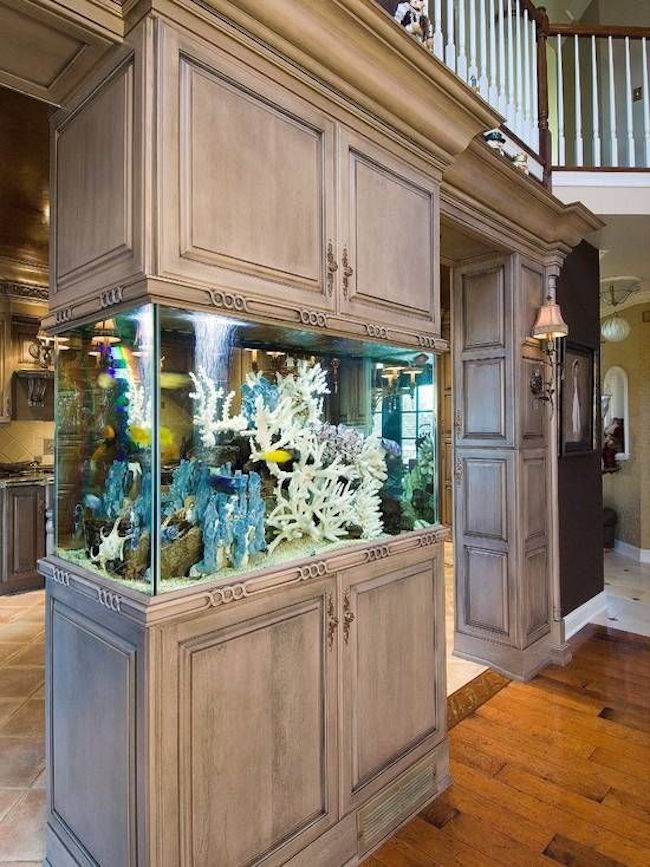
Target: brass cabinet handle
[348, 616]
[332, 621]
[348, 271]
[332, 267]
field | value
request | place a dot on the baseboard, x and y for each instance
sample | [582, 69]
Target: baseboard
[584, 614]
[640, 555]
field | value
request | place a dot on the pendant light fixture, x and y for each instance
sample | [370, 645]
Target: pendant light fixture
[614, 292]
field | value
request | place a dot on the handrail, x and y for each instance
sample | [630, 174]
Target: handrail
[616, 31]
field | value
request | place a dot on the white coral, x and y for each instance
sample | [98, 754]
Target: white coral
[111, 546]
[209, 418]
[138, 406]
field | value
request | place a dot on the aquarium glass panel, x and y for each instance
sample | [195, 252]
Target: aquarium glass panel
[277, 445]
[104, 424]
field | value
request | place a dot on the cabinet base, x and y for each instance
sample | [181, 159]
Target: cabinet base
[515, 663]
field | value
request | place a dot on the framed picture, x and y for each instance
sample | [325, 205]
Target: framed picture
[577, 402]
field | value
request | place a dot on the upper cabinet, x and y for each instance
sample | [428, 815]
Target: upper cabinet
[215, 177]
[389, 238]
[248, 197]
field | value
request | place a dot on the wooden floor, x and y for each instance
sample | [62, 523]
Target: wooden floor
[553, 772]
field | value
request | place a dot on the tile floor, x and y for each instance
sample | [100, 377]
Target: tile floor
[22, 740]
[459, 671]
[627, 590]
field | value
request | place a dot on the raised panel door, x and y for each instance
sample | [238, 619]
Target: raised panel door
[389, 245]
[393, 669]
[255, 773]
[24, 535]
[249, 196]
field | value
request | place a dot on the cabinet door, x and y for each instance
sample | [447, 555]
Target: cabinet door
[248, 199]
[389, 250]
[394, 695]
[255, 777]
[24, 535]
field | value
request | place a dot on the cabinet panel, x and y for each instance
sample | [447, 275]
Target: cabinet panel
[257, 736]
[95, 157]
[24, 534]
[389, 243]
[486, 589]
[250, 193]
[393, 670]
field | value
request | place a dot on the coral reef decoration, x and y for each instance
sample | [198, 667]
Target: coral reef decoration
[334, 479]
[213, 408]
[420, 502]
[111, 546]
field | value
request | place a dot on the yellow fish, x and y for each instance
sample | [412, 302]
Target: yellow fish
[277, 456]
[173, 380]
[141, 436]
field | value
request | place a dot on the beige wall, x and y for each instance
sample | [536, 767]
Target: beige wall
[26, 441]
[628, 491]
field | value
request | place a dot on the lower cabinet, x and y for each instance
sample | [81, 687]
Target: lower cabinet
[299, 726]
[23, 536]
[393, 670]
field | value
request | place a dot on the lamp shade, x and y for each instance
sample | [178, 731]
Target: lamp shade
[549, 323]
[615, 329]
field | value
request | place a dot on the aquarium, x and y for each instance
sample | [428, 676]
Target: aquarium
[192, 446]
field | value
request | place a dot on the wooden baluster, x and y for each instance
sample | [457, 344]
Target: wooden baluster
[519, 73]
[541, 94]
[503, 99]
[594, 103]
[579, 154]
[510, 110]
[527, 78]
[646, 104]
[472, 72]
[438, 48]
[450, 47]
[561, 144]
[613, 140]
[461, 64]
[493, 89]
[631, 157]
[483, 85]
[534, 96]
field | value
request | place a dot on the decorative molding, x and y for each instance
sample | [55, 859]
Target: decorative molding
[332, 267]
[110, 297]
[228, 300]
[468, 698]
[639, 555]
[63, 315]
[314, 570]
[426, 341]
[313, 317]
[380, 552]
[348, 616]
[23, 290]
[109, 599]
[60, 576]
[379, 331]
[348, 271]
[579, 617]
[332, 621]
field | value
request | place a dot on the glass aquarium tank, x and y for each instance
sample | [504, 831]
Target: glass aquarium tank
[192, 447]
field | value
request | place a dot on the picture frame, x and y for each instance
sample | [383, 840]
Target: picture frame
[577, 400]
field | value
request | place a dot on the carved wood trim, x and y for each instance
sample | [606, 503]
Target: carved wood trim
[147, 610]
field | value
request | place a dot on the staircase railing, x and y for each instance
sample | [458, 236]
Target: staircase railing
[599, 96]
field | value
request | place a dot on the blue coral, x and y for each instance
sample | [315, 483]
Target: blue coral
[250, 392]
[115, 489]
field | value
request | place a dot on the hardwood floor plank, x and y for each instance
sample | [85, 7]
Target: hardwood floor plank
[551, 817]
[568, 852]
[545, 691]
[443, 849]
[612, 759]
[598, 684]
[467, 750]
[544, 733]
[396, 853]
[581, 780]
[614, 820]
[631, 719]
[635, 806]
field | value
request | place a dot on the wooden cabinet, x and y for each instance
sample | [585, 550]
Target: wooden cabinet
[5, 379]
[249, 766]
[248, 199]
[23, 532]
[389, 245]
[392, 670]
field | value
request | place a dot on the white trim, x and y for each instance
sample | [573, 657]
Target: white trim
[584, 614]
[601, 178]
[639, 555]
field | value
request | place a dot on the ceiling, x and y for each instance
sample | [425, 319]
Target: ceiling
[624, 245]
[24, 188]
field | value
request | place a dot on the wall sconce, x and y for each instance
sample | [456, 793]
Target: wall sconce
[549, 326]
